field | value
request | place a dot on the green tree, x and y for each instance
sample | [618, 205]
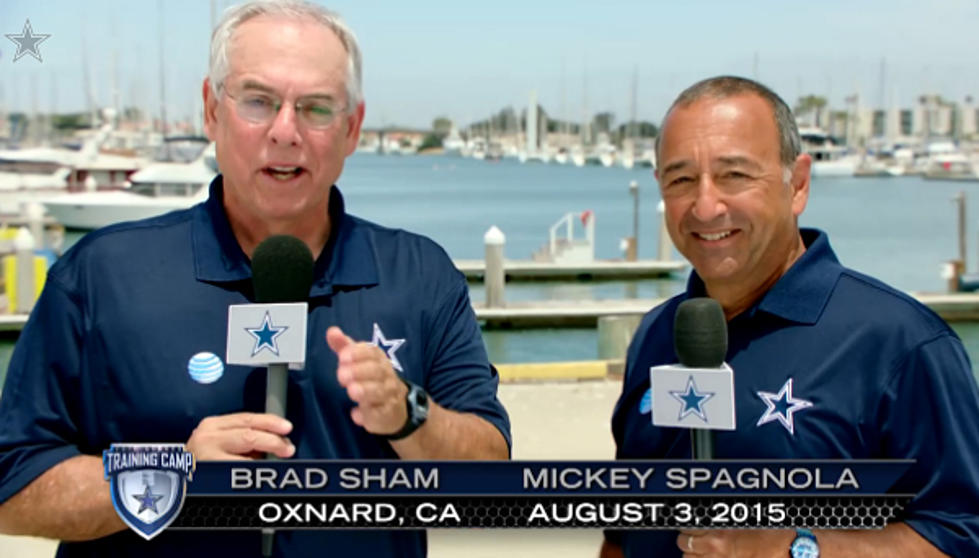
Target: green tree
[442, 126]
[430, 141]
[813, 104]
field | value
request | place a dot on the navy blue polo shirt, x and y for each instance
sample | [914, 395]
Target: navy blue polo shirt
[831, 364]
[105, 357]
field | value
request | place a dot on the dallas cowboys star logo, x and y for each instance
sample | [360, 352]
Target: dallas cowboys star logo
[147, 500]
[389, 346]
[782, 406]
[266, 335]
[27, 42]
[693, 400]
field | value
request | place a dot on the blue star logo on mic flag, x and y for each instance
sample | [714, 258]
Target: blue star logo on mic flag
[266, 335]
[692, 400]
[388, 345]
[147, 500]
[782, 407]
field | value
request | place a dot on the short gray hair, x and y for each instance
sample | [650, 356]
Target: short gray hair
[723, 87]
[220, 65]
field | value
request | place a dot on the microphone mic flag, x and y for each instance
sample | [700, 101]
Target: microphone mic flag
[700, 333]
[282, 273]
[697, 393]
[282, 270]
[273, 331]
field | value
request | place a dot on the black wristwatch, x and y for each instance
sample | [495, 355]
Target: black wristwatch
[416, 402]
[805, 545]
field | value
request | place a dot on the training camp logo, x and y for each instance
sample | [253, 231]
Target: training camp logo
[148, 483]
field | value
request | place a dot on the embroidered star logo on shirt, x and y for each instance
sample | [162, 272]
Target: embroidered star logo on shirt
[692, 400]
[389, 346]
[782, 407]
[147, 500]
[265, 335]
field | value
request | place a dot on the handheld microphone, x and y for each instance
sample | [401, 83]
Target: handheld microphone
[701, 386]
[282, 271]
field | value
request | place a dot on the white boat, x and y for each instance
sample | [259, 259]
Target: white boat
[537, 156]
[453, 144]
[154, 190]
[627, 159]
[38, 168]
[829, 159]
[647, 159]
[951, 166]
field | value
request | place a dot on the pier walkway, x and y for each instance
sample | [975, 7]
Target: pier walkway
[952, 307]
[530, 270]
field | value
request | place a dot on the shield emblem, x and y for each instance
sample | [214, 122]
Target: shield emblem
[148, 483]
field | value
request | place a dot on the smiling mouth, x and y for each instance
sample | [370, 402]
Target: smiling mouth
[711, 237]
[283, 173]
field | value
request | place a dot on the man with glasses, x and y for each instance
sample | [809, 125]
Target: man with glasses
[105, 356]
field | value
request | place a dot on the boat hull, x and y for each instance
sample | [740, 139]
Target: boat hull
[99, 209]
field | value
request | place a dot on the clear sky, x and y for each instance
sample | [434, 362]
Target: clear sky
[464, 60]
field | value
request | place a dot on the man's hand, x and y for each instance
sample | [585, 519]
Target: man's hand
[366, 373]
[241, 436]
[735, 543]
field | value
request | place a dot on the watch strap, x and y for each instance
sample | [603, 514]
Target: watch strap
[412, 421]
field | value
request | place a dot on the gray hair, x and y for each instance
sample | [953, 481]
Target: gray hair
[234, 16]
[723, 87]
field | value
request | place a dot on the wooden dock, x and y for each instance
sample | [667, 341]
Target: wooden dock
[954, 307]
[559, 313]
[529, 270]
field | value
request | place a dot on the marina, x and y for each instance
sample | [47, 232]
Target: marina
[535, 175]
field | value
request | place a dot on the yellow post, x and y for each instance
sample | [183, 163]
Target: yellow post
[10, 278]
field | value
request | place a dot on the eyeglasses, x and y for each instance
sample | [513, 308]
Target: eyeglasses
[262, 108]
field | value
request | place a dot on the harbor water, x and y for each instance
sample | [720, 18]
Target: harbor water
[900, 230]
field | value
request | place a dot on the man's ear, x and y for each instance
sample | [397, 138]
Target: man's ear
[210, 109]
[354, 121]
[800, 183]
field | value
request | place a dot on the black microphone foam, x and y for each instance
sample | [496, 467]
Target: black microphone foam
[282, 270]
[700, 333]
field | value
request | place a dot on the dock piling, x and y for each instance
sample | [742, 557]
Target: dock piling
[24, 252]
[632, 251]
[665, 252]
[494, 274]
[34, 213]
[615, 334]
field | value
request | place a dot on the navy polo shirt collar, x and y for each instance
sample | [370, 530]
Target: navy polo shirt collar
[802, 293]
[347, 260]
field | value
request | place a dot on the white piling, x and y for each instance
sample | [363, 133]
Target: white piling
[614, 335]
[633, 255]
[24, 250]
[34, 213]
[494, 279]
[665, 252]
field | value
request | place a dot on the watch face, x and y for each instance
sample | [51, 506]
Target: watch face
[419, 404]
[804, 547]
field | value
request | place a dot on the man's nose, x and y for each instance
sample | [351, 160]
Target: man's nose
[285, 126]
[709, 203]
